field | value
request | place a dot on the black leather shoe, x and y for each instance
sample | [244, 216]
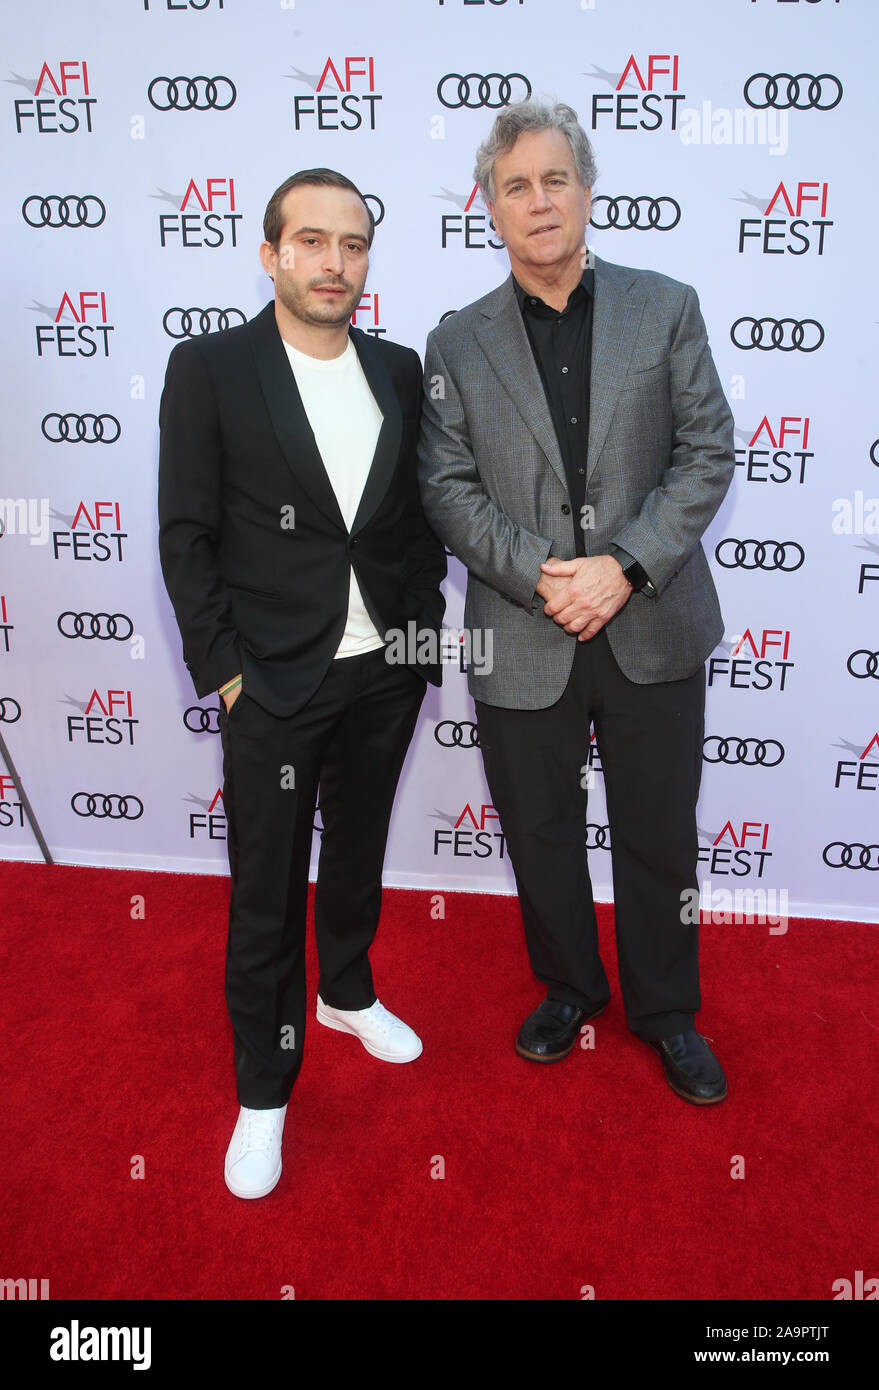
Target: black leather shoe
[691, 1068]
[550, 1032]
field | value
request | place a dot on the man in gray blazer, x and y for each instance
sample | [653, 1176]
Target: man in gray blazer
[575, 445]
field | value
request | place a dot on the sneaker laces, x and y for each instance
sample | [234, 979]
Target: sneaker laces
[383, 1018]
[259, 1131]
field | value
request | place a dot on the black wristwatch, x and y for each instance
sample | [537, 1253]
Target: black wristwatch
[637, 577]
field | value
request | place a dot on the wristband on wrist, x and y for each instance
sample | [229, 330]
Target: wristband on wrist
[230, 685]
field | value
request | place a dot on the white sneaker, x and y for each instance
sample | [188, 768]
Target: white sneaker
[253, 1158]
[381, 1033]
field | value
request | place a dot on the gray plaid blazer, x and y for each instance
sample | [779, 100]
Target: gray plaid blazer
[660, 460]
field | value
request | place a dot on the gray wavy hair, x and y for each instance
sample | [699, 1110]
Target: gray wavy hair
[523, 116]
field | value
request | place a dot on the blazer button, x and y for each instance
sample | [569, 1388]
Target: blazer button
[352, 542]
[566, 511]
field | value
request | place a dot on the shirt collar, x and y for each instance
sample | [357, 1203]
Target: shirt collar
[586, 282]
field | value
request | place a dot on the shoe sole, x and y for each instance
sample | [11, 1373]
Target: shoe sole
[373, 1051]
[698, 1100]
[685, 1095]
[555, 1056]
[262, 1192]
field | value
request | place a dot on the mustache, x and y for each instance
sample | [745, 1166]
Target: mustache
[329, 285]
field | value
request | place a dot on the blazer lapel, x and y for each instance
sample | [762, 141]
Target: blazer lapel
[505, 343]
[287, 414]
[616, 319]
[387, 449]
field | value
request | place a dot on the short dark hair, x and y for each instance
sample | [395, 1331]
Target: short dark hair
[273, 225]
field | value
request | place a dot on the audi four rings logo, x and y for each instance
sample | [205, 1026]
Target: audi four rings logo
[465, 735]
[112, 807]
[185, 328]
[760, 555]
[644, 213]
[851, 856]
[103, 626]
[10, 710]
[192, 93]
[80, 429]
[600, 839]
[494, 90]
[786, 91]
[69, 211]
[202, 721]
[795, 341]
[753, 752]
[870, 664]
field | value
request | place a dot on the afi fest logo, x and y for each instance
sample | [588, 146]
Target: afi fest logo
[770, 454]
[208, 823]
[469, 229]
[654, 100]
[793, 229]
[344, 95]
[757, 661]
[863, 772]
[738, 850]
[106, 717]
[369, 315]
[89, 335]
[203, 219]
[61, 102]
[87, 538]
[11, 809]
[471, 834]
[5, 625]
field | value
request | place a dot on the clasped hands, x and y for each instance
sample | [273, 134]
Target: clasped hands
[583, 595]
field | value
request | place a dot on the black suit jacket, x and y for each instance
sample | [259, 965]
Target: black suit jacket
[251, 591]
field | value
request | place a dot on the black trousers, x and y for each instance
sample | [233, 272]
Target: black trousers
[349, 741]
[650, 741]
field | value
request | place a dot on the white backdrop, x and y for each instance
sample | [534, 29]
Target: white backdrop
[766, 211]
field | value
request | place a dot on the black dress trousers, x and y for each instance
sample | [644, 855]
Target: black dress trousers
[650, 741]
[348, 742]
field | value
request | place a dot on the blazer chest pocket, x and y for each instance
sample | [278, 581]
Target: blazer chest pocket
[648, 378]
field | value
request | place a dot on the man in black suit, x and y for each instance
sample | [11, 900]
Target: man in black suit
[295, 551]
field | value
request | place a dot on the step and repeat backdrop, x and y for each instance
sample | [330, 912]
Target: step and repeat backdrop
[143, 139]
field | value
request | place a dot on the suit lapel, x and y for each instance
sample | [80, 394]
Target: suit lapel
[504, 341]
[295, 434]
[387, 449]
[287, 414]
[616, 319]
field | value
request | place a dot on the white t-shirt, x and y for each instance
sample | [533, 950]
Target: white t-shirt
[346, 422]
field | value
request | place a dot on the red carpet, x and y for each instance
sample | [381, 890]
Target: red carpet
[588, 1172]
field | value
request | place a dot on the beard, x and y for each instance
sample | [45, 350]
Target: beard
[299, 301]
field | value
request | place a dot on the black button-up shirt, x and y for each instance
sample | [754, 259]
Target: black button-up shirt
[562, 347]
